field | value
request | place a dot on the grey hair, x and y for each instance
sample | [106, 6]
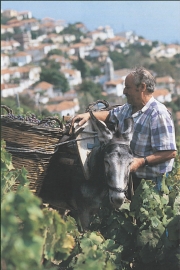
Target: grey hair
[142, 75]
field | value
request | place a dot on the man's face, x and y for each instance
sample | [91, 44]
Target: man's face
[131, 91]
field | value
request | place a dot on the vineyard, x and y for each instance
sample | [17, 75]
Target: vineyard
[143, 234]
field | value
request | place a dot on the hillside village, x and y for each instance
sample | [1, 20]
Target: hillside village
[28, 45]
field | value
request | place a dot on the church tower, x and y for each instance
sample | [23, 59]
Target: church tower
[109, 69]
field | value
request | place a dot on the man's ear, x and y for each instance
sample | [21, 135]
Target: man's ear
[142, 87]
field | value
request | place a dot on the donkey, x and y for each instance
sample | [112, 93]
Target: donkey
[109, 163]
[109, 166]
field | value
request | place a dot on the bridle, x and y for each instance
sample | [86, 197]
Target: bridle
[104, 147]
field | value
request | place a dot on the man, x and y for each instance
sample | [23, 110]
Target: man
[153, 142]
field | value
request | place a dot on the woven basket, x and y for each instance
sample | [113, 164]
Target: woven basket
[31, 145]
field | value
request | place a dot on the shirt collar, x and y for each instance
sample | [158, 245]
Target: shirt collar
[148, 104]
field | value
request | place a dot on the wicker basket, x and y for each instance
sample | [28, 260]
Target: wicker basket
[31, 145]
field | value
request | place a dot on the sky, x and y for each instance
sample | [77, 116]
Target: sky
[154, 20]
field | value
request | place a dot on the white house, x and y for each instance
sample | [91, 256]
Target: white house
[21, 58]
[39, 52]
[143, 42]
[45, 92]
[116, 41]
[73, 76]
[162, 95]
[172, 49]
[45, 87]
[69, 38]
[10, 13]
[64, 108]
[80, 49]
[165, 51]
[5, 61]
[10, 46]
[26, 75]
[114, 87]
[100, 52]
[54, 37]
[109, 31]
[10, 90]
[24, 15]
[97, 34]
[129, 35]
[166, 82]
[6, 29]
[90, 44]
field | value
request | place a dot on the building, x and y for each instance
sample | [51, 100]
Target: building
[8, 90]
[24, 38]
[114, 87]
[73, 76]
[109, 69]
[9, 13]
[9, 47]
[39, 52]
[162, 95]
[21, 58]
[166, 82]
[5, 61]
[64, 108]
[45, 92]
[99, 52]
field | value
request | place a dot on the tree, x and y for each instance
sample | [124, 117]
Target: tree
[119, 60]
[55, 51]
[55, 77]
[82, 67]
[94, 89]
[95, 71]
[72, 29]
[163, 67]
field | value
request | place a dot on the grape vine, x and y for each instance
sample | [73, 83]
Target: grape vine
[143, 234]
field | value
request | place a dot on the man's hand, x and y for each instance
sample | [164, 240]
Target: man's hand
[82, 118]
[136, 164]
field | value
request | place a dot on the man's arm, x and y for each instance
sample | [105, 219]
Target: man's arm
[84, 117]
[156, 158]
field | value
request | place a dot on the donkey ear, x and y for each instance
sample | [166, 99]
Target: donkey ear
[104, 134]
[128, 128]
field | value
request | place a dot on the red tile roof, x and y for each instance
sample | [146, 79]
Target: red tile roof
[43, 85]
[166, 79]
[160, 92]
[64, 105]
[7, 86]
[115, 82]
[101, 48]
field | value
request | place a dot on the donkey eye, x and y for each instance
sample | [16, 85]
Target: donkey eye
[107, 165]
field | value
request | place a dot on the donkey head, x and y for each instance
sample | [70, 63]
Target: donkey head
[117, 157]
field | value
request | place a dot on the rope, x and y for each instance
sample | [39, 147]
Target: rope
[24, 150]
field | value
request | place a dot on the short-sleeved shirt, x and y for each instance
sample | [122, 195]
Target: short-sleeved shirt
[153, 131]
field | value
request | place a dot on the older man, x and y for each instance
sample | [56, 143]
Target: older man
[153, 142]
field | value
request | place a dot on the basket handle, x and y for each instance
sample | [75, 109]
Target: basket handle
[8, 110]
[45, 120]
[90, 106]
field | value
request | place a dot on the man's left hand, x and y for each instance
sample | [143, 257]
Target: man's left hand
[136, 164]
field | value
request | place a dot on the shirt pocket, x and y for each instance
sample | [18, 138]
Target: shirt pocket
[141, 144]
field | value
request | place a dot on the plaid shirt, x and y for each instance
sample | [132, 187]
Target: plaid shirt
[153, 131]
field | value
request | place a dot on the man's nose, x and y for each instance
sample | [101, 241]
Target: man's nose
[124, 90]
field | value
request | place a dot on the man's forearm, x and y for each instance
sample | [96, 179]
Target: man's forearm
[160, 157]
[154, 159]
[102, 115]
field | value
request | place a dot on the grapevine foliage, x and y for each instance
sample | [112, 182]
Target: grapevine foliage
[143, 234]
